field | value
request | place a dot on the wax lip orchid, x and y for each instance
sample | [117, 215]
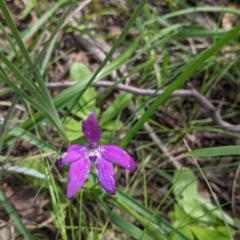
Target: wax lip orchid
[81, 157]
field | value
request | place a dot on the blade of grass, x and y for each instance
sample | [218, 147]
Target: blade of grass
[29, 32]
[21, 93]
[126, 226]
[215, 151]
[53, 35]
[161, 223]
[71, 93]
[4, 126]
[144, 222]
[222, 214]
[116, 44]
[26, 83]
[29, 137]
[15, 217]
[52, 113]
[201, 9]
[192, 67]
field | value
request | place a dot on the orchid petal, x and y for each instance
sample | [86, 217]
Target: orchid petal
[72, 154]
[115, 154]
[78, 173]
[105, 174]
[91, 129]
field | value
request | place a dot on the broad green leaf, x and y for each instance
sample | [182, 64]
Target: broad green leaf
[215, 151]
[72, 128]
[185, 191]
[79, 71]
[106, 138]
[120, 102]
[112, 125]
[185, 188]
[180, 221]
[215, 211]
[178, 214]
[86, 103]
[183, 228]
[209, 233]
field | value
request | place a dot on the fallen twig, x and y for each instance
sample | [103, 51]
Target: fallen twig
[209, 108]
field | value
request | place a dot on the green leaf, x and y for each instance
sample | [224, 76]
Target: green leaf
[178, 214]
[120, 102]
[216, 211]
[112, 125]
[86, 103]
[79, 71]
[180, 221]
[185, 186]
[185, 191]
[106, 138]
[183, 228]
[215, 151]
[209, 233]
[73, 129]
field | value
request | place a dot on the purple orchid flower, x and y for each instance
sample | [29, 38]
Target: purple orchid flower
[81, 157]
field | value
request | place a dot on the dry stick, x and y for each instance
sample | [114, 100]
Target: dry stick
[211, 111]
[156, 139]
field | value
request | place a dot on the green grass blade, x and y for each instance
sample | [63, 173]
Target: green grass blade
[160, 222]
[126, 226]
[215, 151]
[46, 98]
[144, 222]
[50, 40]
[4, 126]
[15, 217]
[26, 83]
[33, 29]
[29, 137]
[71, 93]
[201, 9]
[117, 43]
[24, 95]
[193, 66]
